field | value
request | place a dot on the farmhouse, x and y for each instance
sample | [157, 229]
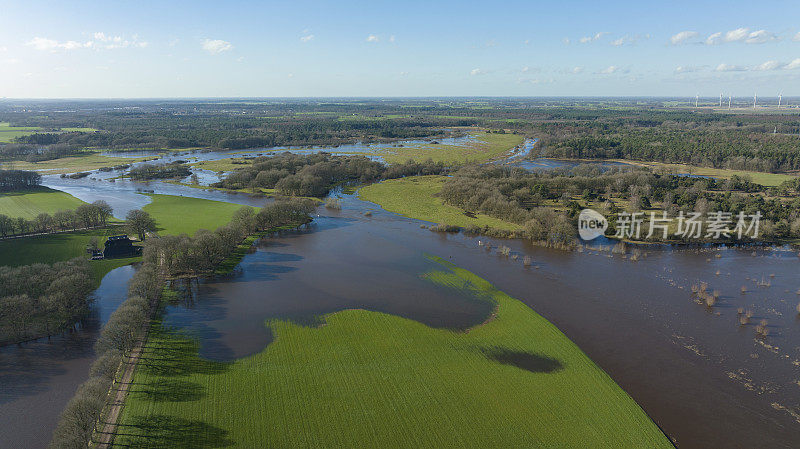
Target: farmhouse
[120, 246]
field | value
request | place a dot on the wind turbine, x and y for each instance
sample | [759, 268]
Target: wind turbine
[696, 97]
[729, 100]
[755, 99]
[720, 99]
[780, 97]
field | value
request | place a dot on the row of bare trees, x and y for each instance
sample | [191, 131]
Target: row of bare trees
[84, 216]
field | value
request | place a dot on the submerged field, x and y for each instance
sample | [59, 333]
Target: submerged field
[369, 379]
[417, 197]
[30, 203]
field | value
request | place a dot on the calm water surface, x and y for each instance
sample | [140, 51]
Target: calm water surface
[706, 380]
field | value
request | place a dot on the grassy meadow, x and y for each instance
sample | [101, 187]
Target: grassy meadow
[765, 179]
[369, 379]
[178, 214]
[8, 133]
[416, 197]
[173, 215]
[30, 203]
[87, 161]
[485, 147]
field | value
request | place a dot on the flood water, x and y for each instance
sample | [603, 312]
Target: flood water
[38, 378]
[705, 379]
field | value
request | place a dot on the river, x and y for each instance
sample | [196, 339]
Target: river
[705, 379]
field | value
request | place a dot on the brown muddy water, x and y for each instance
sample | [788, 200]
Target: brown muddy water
[38, 378]
[705, 379]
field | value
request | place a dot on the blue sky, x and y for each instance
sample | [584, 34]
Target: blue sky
[399, 48]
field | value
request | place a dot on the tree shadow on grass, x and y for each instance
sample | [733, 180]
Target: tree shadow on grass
[166, 432]
[169, 390]
[524, 360]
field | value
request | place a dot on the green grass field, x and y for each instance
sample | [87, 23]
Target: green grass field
[59, 247]
[177, 214]
[485, 147]
[90, 160]
[173, 214]
[415, 197]
[765, 179]
[8, 133]
[371, 380]
[30, 203]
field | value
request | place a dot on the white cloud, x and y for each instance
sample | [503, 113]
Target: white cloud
[609, 70]
[577, 69]
[525, 69]
[687, 69]
[683, 37]
[619, 42]
[629, 39]
[760, 37]
[3, 49]
[216, 46]
[392, 38]
[730, 68]
[306, 38]
[741, 35]
[796, 37]
[526, 42]
[475, 72]
[44, 44]
[290, 75]
[566, 41]
[372, 38]
[99, 41]
[769, 65]
[588, 39]
[793, 65]
[404, 73]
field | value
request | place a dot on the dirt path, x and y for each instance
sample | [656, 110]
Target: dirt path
[104, 437]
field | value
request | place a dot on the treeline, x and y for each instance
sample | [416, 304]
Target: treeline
[38, 152]
[182, 255]
[125, 327]
[229, 128]
[177, 169]
[315, 174]
[731, 149]
[11, 180]
[547, 203]
[40, 300]
[84, 216]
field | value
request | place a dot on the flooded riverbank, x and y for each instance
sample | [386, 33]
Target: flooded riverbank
[38, 378]
[705, 379]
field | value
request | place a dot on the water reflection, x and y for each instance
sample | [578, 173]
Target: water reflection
[38, 378]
